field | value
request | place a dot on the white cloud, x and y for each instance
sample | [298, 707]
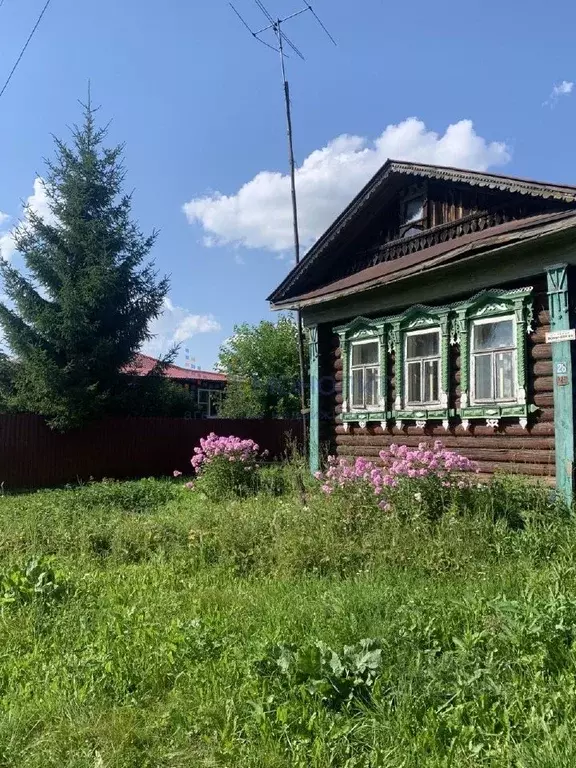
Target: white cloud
[564, 88]
[259, 214]
[36, 202]
[175, 326]
[7, 247]
[3, 218]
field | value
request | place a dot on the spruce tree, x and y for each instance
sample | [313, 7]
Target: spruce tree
[81, 309]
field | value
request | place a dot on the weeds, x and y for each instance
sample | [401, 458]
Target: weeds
[241, 632]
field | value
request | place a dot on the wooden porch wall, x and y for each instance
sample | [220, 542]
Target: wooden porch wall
[509, 448]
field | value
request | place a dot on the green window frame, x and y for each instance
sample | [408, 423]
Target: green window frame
[504, 358]
[416, 321]
[454, 324]
[356, 334]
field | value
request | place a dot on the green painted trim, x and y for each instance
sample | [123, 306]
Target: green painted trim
[454, 322]
[562, 372]
[314, 435]
[419, 318]
[423, 414]
[368, 416]
[496, 411]
[361, 329]
[493, 303]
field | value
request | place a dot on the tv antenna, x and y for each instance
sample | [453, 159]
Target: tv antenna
[274, 30]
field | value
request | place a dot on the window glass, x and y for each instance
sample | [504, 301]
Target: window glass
[483, 377]
[357, 386]
[494, 335]
[413, 210]
[364, 354]
[504, 375]
[371, 386]
[414, 382]
[422, 345]
[431, 370]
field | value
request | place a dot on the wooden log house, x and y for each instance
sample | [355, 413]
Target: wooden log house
[428, 304]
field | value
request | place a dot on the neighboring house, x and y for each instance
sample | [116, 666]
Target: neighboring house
[206, 387]
[428, 304]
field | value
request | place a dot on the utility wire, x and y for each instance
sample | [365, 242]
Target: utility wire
[26, 44]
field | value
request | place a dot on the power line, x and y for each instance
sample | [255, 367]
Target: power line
[26, 44]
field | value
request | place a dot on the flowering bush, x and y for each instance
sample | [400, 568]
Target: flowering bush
[431, 474]
[226, 465]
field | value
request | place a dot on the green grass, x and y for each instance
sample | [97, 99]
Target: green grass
[160, 629]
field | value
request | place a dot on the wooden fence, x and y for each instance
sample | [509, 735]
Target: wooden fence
[33, 456]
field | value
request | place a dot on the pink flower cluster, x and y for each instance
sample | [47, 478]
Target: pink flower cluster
[234, 449]
[403, 461]
[397, 462]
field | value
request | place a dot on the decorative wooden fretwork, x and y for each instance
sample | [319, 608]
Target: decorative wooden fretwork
[454, 324]
[494, 304]
[362, 329]
[419, 318]
[395, 249]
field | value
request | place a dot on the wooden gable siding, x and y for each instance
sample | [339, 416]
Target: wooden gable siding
[509, 448]
[446, 204]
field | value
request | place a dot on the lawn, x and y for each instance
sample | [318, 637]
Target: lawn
[145, 625]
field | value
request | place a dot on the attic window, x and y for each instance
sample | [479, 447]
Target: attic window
[413, 210]
[412, 216]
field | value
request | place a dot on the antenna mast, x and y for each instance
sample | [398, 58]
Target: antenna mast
[275, 27]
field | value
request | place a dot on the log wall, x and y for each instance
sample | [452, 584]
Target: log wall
[509, 448]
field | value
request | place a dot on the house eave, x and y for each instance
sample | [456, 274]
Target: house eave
[528, 187]
[555, 232]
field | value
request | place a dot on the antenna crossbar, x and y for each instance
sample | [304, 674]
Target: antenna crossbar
[276, 27]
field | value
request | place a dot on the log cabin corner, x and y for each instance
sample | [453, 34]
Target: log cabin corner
[428, 305]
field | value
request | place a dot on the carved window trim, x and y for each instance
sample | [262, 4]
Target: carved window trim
[455, 323]
[420, 318]
[354, 408]
[421, 361]
[496, 305]
[361, 330]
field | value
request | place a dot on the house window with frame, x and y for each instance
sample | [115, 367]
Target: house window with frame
[209, 401]
[412, 218]
[493, 360]
[364, 374]
[422, 368]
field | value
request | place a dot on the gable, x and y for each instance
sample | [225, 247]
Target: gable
[408, 207]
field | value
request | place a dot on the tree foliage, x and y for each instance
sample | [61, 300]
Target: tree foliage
[262, 365]
[81, 309]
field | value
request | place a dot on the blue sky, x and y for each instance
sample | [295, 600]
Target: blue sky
[199, 105]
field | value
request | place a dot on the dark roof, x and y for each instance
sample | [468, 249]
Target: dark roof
[437, 255]
[144, 364]
[394, 168]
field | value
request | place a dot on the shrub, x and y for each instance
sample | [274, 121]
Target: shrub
[429, 477]
[226, 466]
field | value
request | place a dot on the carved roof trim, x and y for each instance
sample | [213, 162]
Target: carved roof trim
[544, 190]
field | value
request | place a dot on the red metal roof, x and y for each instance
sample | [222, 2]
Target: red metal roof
[143, 364]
